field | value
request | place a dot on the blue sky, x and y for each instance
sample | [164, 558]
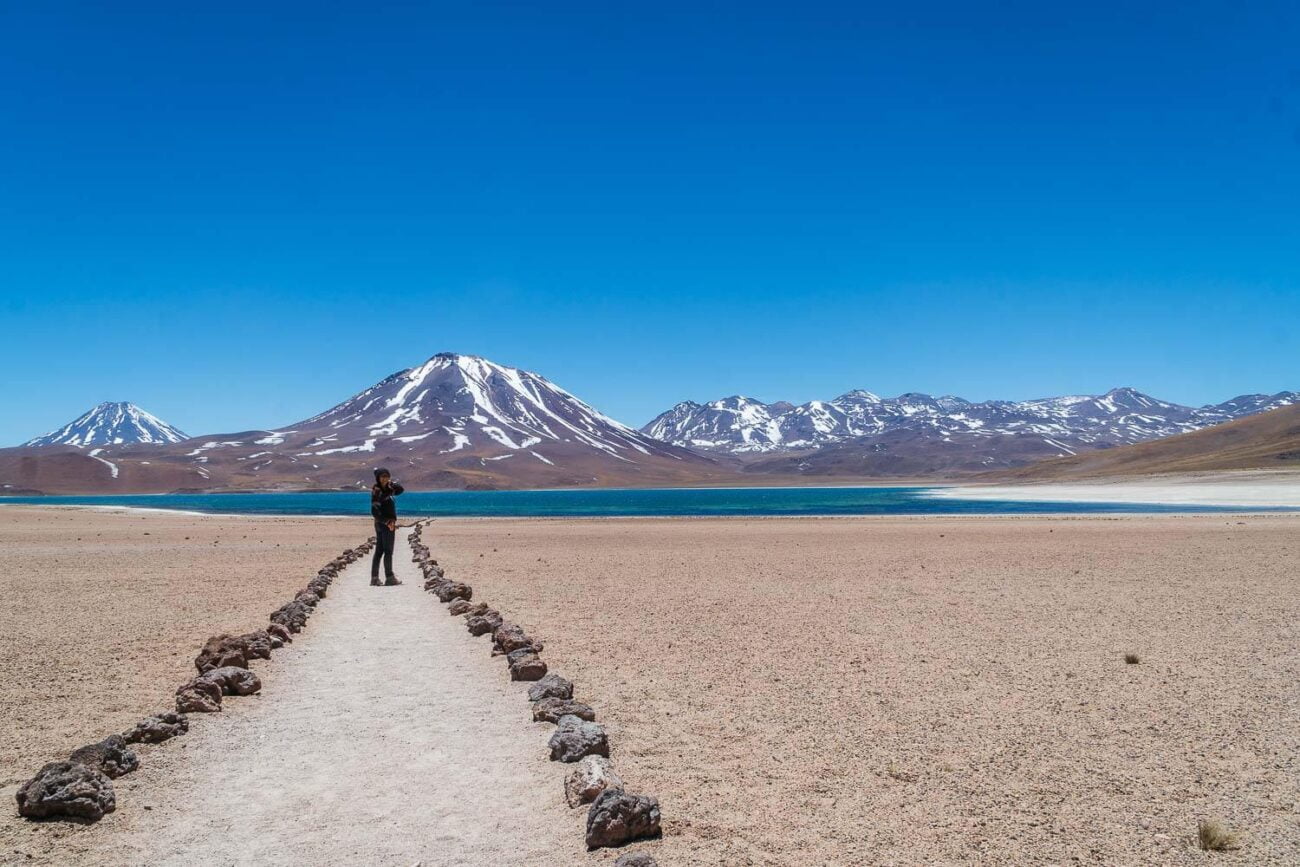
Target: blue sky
[237, 216]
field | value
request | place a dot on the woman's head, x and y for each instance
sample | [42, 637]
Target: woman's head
[382, 477]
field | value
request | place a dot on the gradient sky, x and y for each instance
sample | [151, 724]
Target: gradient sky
[237, 215]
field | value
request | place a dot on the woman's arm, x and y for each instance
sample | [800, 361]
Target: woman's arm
[395, 488]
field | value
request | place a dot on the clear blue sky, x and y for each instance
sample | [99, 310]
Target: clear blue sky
[236, 215]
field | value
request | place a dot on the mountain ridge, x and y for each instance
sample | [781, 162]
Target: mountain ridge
[748, 428]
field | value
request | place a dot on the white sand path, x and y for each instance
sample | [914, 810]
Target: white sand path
[384, 734]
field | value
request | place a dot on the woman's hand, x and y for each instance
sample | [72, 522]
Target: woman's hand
[392, 525]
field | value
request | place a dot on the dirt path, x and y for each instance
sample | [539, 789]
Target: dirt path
[385, 735]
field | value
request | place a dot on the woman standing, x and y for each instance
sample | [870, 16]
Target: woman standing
[384, 511]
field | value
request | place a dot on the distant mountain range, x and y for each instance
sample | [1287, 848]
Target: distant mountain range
[916, 434]
[111, 423]
[461, 421]
[455, 421]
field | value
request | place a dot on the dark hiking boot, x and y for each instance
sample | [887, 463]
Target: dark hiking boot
[374, 581]
[392, 581]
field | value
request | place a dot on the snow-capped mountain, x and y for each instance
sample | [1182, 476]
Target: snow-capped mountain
[1065, 425]
[454, 403]
[453, 421]
[111, 423]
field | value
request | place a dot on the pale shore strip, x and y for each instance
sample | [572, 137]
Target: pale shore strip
[1252, 489]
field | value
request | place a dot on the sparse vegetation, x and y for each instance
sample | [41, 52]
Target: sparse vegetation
[1214, 836]
[1132, 658]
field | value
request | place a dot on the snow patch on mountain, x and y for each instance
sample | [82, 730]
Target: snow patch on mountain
[111, 423]
[464, 402]
[744, 426]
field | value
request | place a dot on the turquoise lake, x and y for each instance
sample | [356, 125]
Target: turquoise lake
[617, 502]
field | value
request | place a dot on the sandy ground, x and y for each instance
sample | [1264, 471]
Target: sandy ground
[1249, 488]
[796, 691]
[102, 612]
[927, 690]
[384, 735]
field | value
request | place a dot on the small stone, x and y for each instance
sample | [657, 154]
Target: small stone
[234, 681]
[111, 757]
[257, 645]
[292, 615]
[589, 778]
[551, 686]
[221, 650]
[616, 817]
[482, 625]
[530, 666]
[67, 789]
[198, 695]
[450, 590]
[510, 637]
[158, 728]
[552, 709]
[458, 607]
[636, 859]
[576, 739]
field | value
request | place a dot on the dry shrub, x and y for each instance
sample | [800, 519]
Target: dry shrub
[1214, 836]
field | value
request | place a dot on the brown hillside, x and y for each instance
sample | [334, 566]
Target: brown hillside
[1270, 440]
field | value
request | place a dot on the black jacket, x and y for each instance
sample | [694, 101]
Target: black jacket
[382, 507]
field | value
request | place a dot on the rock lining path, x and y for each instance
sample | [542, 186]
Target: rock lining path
[384, 734]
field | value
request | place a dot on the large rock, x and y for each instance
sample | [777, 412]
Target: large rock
[551, 686]
[292, 615]
[67, 789]
[279, 633]
[576, 739]
[111, 757]
[509, 637]
[458, 607]
[198, 695]
[527, 667]
[219, 651]
[616, 818]
[589, 778]
[635, 859]
[450, 590]
[551, 710]
[483, 624]
[308, 598]
[234, 681]
[158, 728]
[257, 645]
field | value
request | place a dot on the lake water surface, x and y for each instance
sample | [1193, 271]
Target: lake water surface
[617, 502]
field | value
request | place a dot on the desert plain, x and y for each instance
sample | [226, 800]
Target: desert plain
[801, 691]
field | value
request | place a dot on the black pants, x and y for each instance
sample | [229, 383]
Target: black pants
[384, 539]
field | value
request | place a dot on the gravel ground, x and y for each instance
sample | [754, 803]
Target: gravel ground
[926, 690]
[385, 734]
[101, 614]
[796, 691]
